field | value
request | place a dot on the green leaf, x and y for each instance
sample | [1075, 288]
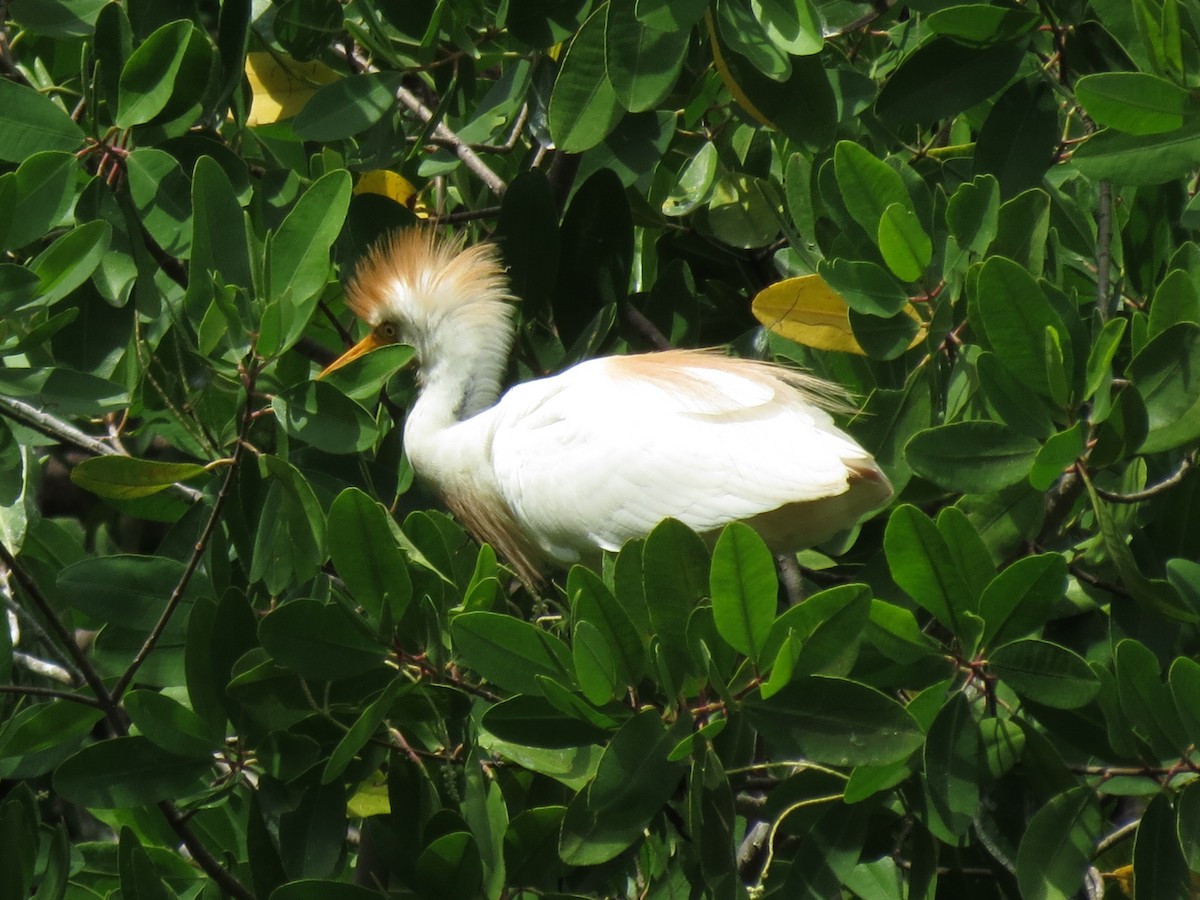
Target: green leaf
[32, 123]
[508, 652]
[592, 602]
[642, 63]
[450, 867]
[953, 751]
[319, 641]
[694, 186]
[1111, 155]
[361, 731]
[171, 62]
[1146, 701]
[836, 721]
[1188, 828]
[981, 24]
[45, 726]
[867, 288]
[972, 457]
[298, 255]
[1184, 679]
[71, 260]
[905, 246]
[744, 589]
[218, 232]
[290, 540]
[942, 78]
[1020, 599]
[533, 721]
[634, 780]
[367, 556]
[583, 105]
[43, 187]
[321, 415]
[126, 477]
[347, 107]
[824, 631]
[922, 566]
[1159, 864]
[1100, 358]
[868, 185]
[171, 725]
[129, 590]
[1020, 136]
[162, 194]
[793, 26]
[1133, 102]
[973, 213]
[1015, 315]
[1058, 845]
[319, 889]
[138, 876]
[1166, 375]
[1048, 673]
[127, 773]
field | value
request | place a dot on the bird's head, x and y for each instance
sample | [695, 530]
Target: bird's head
[417, 288]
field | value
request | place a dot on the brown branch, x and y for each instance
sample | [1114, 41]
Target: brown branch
[460, 147]
[67, 641]
[1104, 214]
[1153, 490]
[209, 863]
[636, 320]
[51, 694]
[250, 375]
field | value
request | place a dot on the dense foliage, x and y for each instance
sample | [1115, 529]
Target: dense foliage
[250, 657]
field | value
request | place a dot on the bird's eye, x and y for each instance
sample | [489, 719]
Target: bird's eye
[386, 331]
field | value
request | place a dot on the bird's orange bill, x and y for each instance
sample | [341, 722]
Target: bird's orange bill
[366, 345]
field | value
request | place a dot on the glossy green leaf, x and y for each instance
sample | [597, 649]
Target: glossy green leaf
[451, 867]
[1057, 455]
[324, 417]
[42, 191]
[126, 773]
[1045, 672]
[836, 721]
[169, 64]
[793, 26]
[33, 123]
[509, 652]
[1133, 102]
[1020, 599]
[1020, 137]
[319, 641]
[126, 477]
[1188, 827]
[953, 750]
[171, 725]
[633, 782]
[366, 554]
[1057, 846]
[642, 63]
[744, 589]
[1165, 375]
[1159, 863]
[1016, 314]
[868, 185]
[347, 107]
[535, 722]
[290, 538]
[594, 603]
[921, 564]
[1146, 701]
[1111, 155]
[973, 213]
[905, 246]
[584, 106]
[981, 24]
[866, 287]
[976, 456]
[942, 78]
[70, 261]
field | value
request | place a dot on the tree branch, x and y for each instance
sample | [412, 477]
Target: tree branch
[51, 426]
[460, 147]
[249, 378]
[1153, 490]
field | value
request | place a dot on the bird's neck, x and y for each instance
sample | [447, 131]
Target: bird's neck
[462, 365]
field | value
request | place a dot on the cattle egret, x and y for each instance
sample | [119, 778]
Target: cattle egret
[560, 468]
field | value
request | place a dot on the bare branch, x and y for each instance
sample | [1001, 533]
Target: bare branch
[1153, 490]
[460, 147]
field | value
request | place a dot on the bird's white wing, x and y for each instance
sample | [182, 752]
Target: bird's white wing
[603, 452]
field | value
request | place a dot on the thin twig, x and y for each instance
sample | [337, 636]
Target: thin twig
[465, 215]
[52, 426]
[636, 320]
[200, 853]
[460, 147]
[51, 694]
[64, 637]
[201, 546]
[1153, 490]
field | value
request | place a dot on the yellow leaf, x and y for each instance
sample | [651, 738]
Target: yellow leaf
[808, 311]
[371, 799]
[388, 184]
[281, 86]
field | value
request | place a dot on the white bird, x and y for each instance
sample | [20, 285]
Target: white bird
[562, 467]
